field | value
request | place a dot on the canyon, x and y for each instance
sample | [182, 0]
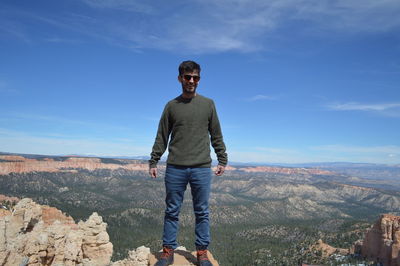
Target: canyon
[265, 211]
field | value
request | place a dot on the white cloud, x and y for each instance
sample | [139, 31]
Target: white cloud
[387, 109]
[66, 122]
[363, 107]
[126, 5]
[389, 154]
[20, 142]
[275, 150]
[5, 88]
[260, 97]
[390, 149]
[210, 26]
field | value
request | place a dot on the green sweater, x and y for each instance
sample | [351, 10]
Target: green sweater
[190, 123]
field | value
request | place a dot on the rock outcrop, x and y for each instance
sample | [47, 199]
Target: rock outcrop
[382, 241]
[327, 250]
[41, 235]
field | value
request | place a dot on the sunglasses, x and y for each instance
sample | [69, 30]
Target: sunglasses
[189, 77]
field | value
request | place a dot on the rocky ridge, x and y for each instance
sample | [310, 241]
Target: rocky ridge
[20, 164]
[33, 234]
[42, 235]
[382, 241]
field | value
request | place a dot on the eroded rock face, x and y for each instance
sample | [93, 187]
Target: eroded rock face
[327, 250]
[382, 241]
[136, 257]
[41, 235]
[20, 164]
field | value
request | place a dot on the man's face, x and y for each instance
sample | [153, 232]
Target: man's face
[189, 81]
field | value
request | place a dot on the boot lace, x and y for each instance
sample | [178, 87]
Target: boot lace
[167, 252]
[202, 255]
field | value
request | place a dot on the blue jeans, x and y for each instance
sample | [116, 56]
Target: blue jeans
[176, 180]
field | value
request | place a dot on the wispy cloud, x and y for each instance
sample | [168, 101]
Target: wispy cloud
[387, 154]
[57, 120]
[20, 142]
[125, 5]
[260, 97]
[62, 40]
[5, 88]
[210, 26]
[388, 109]
[276, 150]
[363, 107]
[389, 149]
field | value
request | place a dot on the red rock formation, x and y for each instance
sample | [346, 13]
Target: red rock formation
[382, 241]
[286, 170]
[327, 250]
[19, 164]
[4, 198]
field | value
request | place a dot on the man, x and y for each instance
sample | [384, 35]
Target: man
[191, 121]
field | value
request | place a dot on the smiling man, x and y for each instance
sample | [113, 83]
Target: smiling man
[187, 125]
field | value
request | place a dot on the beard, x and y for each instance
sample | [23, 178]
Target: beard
[189, 89]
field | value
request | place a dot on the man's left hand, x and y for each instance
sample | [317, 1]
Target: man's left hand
[220, 170]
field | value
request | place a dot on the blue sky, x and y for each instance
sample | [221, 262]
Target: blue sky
[293, 81]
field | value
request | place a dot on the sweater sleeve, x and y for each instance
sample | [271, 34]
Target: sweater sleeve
[217, 140]
[161, 142]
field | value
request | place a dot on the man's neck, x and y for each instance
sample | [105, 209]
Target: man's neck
[188, 95]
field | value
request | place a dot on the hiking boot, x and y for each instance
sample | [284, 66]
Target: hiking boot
[202, 258]
[167, 257]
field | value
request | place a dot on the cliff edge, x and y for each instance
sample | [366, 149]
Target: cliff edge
[382, 241]
[34, 234]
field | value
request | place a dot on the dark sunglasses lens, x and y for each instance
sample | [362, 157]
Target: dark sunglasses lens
[189, 77]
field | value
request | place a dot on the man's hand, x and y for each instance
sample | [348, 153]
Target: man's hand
[153, 172]
[220, 170]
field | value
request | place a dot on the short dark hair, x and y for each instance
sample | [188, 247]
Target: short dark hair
[188, 66]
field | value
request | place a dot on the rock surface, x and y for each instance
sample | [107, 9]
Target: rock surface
[182, 257]
[382, 241]
[38, 235]
[41, 235]
[327, 250]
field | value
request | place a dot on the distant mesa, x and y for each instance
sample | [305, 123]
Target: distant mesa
[22, 164]
[19, 164]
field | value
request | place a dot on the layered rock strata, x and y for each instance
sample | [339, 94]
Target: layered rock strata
[41, 235]
[382, 241]
[19, 164]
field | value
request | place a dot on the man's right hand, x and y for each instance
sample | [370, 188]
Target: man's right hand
[153, 172]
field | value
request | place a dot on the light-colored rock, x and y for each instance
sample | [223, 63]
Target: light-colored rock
[41, 235]
[95, 241]
[38, 235]
[136, 257]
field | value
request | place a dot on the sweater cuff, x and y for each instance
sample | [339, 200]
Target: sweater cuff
[152, 164]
